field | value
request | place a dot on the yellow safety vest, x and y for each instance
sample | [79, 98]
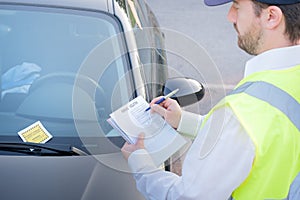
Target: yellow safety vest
[267, 104]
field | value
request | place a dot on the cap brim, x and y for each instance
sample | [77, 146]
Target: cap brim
[216, 2]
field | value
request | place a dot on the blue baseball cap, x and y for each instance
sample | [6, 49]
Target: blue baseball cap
[273, 2]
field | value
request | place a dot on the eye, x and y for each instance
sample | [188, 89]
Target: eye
[235, 5]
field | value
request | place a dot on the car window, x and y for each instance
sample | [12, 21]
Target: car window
[150, 45]
[42, 51]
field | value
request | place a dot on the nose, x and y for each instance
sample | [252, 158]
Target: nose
[231, 16]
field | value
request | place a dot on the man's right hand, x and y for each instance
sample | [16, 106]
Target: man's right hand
[169, 109]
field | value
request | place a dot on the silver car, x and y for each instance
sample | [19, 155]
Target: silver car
[65, 66]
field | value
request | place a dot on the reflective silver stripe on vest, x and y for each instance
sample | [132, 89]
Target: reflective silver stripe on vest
[294, 193]
[275, 96]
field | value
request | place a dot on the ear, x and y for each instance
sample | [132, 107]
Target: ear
[273, 17]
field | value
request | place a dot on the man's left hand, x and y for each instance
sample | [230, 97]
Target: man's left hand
[127, 148]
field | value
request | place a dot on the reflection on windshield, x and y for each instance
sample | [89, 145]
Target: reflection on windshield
[40, 62]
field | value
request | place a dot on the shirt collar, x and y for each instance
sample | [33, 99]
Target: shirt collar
[274, 59]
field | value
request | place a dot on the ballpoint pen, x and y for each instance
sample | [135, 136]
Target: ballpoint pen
[164, 98]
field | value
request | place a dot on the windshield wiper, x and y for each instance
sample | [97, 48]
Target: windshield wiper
[41, 149]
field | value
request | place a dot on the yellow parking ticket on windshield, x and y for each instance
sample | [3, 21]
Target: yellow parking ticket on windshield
[35, 133]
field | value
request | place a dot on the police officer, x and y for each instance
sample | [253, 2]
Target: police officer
[248, 146]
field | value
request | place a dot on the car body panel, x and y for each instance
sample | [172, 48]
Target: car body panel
[63, 178]
[104, 173]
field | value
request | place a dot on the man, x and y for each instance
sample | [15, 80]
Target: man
[248, 146]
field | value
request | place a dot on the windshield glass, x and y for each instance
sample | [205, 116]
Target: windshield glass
[40, 58]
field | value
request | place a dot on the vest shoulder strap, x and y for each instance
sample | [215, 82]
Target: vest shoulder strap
[273, 95]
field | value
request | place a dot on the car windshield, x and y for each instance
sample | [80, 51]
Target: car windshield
[41, 56]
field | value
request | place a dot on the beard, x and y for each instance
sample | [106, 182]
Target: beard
[251, 40]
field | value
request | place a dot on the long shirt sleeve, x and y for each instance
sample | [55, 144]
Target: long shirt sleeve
[190, 124]
[218, 161]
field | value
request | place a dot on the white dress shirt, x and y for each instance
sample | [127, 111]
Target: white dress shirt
[221, 155]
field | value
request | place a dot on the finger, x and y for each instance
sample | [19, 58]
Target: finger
[169, 102]
[140, 141]
[125, 146]
[155, 100]
[125, 151]
[141, 136]
[158, 109]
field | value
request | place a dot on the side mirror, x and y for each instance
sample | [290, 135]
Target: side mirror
[190, 90]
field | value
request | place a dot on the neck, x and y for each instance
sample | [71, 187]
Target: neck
[274, 41]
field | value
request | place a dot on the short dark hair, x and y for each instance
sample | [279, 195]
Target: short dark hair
[292, 18]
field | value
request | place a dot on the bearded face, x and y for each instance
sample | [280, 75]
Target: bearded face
[251, 39]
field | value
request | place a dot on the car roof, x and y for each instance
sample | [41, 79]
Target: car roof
[100, 5]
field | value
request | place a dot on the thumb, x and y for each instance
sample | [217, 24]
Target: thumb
[158, 109]
[140, 140]
[141, 136]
